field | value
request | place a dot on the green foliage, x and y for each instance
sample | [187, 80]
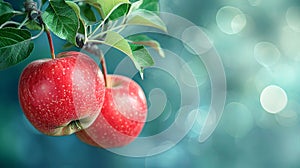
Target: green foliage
[44, 1]
[151, 5]
[61, 19]
[138, 54]
[115, 40]
[15, 46]
[141, 57]
[95, 20]
[87, 14]
[33, 25]
[146, 41]
[146, 18]
[109, 5]
[82, 22]
[121, 10]
[6, 12]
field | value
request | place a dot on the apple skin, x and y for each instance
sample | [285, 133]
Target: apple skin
[63, 95]
[122, 116]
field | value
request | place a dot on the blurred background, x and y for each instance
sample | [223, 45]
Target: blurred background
[258, 42]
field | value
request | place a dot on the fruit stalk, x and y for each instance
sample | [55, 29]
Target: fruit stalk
[94, 49]
[103, 65]
[50, 41]
[35, 14]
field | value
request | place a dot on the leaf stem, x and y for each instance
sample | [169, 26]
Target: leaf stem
[104, 19]
[38, 35]
[120, 27]
[18, 13]
[24, 21]
[9, 22]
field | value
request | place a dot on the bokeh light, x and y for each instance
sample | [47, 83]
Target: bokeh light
[254, 2]
[273, 99]
[231, 20]
[289, 40]
[293, 17]
[237, 120]
[266, 53]
[195, 38]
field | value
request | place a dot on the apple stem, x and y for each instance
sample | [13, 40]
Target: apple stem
[94, 49]
[50, 41]
[103, 65]
[35, 14]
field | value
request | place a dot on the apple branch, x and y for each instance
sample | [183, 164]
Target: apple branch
[35, 14]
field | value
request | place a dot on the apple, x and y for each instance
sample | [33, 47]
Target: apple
[63, 95]
[122, 116]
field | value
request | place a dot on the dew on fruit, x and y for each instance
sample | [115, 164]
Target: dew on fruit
[273, 99]
[231, 20]
[266, 54]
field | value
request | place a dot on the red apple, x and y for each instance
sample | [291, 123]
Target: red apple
[63, 95]
[122, 116]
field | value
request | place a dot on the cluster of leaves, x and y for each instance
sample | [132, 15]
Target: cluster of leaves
[96, 21]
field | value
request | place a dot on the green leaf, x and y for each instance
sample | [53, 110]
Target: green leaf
[121, 10]
[146, 18]
[137, 53]
[76, 9]
[62, 20]
[87, 14]
[109, 5]
[97, 6]
[151, 5]
[146, 41]
[141, 57]
[115, 40]
[6, 12]
[134, 6]
[44, 1]
[33, 25]
[15, 46]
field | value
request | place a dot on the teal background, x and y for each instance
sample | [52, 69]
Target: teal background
[247, 136]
